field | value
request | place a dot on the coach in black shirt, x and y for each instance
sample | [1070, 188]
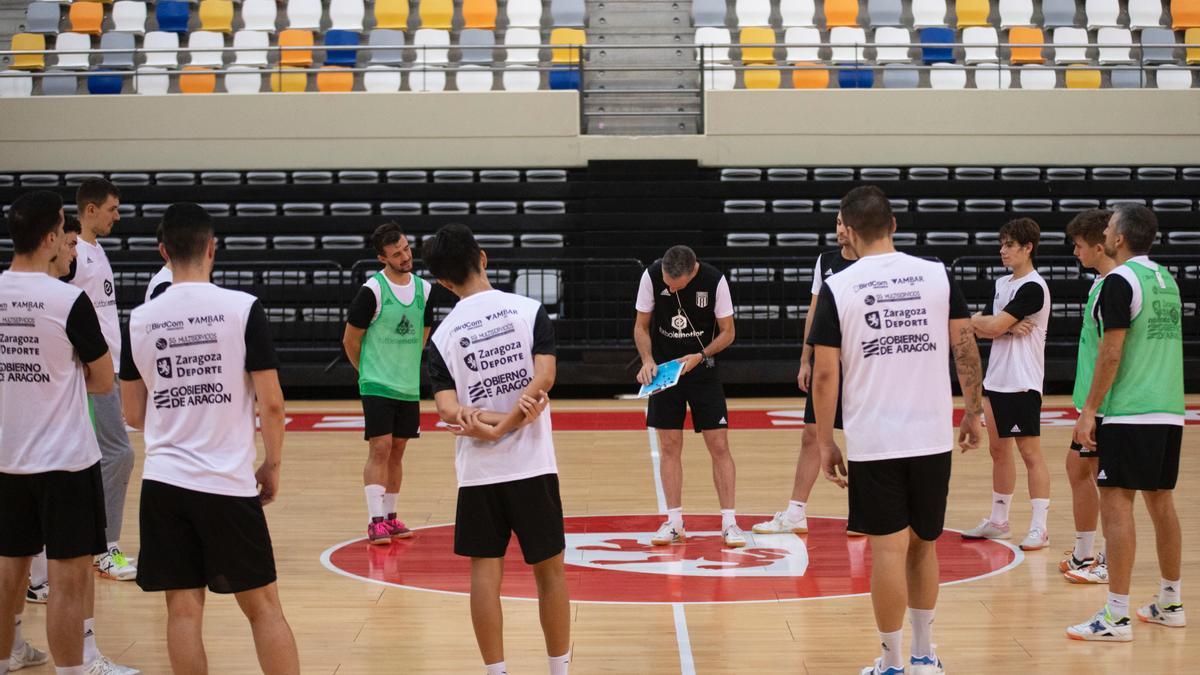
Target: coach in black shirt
[684, 313]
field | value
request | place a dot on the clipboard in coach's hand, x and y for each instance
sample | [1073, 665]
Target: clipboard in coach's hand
[667, 376]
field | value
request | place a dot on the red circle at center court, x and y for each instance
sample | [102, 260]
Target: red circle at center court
[610, 559]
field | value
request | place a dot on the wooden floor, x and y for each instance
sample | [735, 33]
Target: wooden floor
[1010, 622]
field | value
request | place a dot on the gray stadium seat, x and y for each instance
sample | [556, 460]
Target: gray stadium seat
[898, 204]
[1075, 204]
[79, 178]
[477, 45]
[385, 37]
[792, 205]
[245, 243]
[987, 238]
[282, 314]
[154, 210]
[1112, 203]
[546, 175]
[741, 174]
[407, 176]
[256, 209]
[449, 208]
[1112, 173]
[111, 243]
[797, 274]
[1020, 173]
[974, 173]
[495, 240]
[879, 173]
[122, 60]
[495, 208]
[266, 177]
[129, 178]
[900, 77]
[294, 241]
[344, 241]
[1189, 238]
[751, 274]
[884, 12]
[175, 178]
[1066, 173]
[937, 204]
[323, 314]
[1161, 36]
[830, 205]
[220, 178]
[216, 209]
[453, 176]
[764, 312]
[350, 209]
[400, 208]
[542, 240]
[544, 207]
[312, 177]
[303, 209]
[1156, 173]
[708, 13]
[43, 17]
[748, 239]
[929, 173]
[1054, 238]
[1129, 78]
[358, 176]
[905, 239]
[1032, 204]
[833, 173]
[126, 210]
[786, 173]
[59, 83]
[142, 243]
[1058, 13]
[571, 13]
[499, 175]
[745, 205]
[543, 285]
[1191, 173]
[1171, 204]
[947, 238]
[984, 204]
[797, 239]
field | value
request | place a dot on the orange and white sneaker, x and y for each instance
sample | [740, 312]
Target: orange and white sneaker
[734, 537]
[1036, 540]
[668, 534]
[1071, 563]
[1162, 614]
[1095, 573]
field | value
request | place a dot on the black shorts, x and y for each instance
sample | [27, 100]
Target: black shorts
[388, 416]
[62, 511]
[810, 415]
[1084, 452]
[489, 514]
[888, 495]
[706, 398]
[1138, 456]
[195, 539]
[1016, 413]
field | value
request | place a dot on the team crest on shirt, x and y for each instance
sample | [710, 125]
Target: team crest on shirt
[679, 321]
[164, 367]
[872, 319]
[702, 299]
[471, 362]
[405, 326]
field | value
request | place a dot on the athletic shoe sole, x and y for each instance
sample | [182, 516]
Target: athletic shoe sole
[798, 530]
[382, 541]
[668, 542]
[1074, 578]
[727, 545]
[402, 535]
[109, 575]
[1161, 623]
[1106, 638]
[1035, 548]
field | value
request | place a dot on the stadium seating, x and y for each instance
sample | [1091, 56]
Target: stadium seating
[29, 42]
[43, 17]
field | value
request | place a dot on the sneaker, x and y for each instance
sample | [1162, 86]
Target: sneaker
[397, 528]
[668, 534]
[781, 524]
[1103, 628]
[105, 666]
[25, 656]
[114, 565]
[734, 537]
[1096, 573]
[1166, 615]
[379, 533]
[878, 669]
[1071, 563]
[38, 594]
[988, 530]
[1036, 540]
[926, 665]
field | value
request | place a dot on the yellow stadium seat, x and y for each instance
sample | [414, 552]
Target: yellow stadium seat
[29, 42]
[479, 14]
[972, 13]
[289, 81]
[86, 17]
[200, 80]
[841, 13]
[335, 78]
[809, 79]
[1083, 78]
[216, 16]
[566, 36]
[1192, 37]
[436, 13]
[391, 14]
[759, 77]
[296, 38]
[1027, 36]
[752, 36]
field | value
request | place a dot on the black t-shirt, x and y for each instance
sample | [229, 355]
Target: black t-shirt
[1116, 302]
[260, 346]
[830, 263]
[544, 343]
[362, 309]
[683, 323]
[83, 330]
[1029, 299]
[826, 327]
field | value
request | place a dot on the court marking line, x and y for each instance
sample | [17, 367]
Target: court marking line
[683, 640]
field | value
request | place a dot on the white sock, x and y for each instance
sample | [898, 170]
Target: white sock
[38, 573]
[1118, 606]
[1084, 541]
[17, 637]
[560, 664]
[921, 621]
[1169, 593]
[69, 670]
[795, 511]
[1000, 504]
[675, 517]
[374, 500]
[496, 669]
[389, 503]
[114, 544]
[1041, 509]
[90, 651]
[727, 519]
[892, 643]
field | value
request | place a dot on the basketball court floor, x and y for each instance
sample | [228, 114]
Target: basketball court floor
[784, 604]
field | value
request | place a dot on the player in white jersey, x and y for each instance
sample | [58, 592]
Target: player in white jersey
[491, 362]
[98, 201]
[162, 279]
[889, 324]
[50, 488]
[1012, 388]
[198, 358]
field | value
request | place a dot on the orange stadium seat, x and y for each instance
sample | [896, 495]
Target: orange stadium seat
[296, 38]
[335, 79]
[86, 17]
[197, 80]
[1185, 14]
[841, 13]
[479, 14]
[1026, 36]
[810, 79]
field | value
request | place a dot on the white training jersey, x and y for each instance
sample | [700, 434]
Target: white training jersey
[159, 283]
[48, 330]
[94, 275]
[484, 351]
[1018, 362]
[889, 314]
[194, 346]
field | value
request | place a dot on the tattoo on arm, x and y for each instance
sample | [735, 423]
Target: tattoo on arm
[969, 367]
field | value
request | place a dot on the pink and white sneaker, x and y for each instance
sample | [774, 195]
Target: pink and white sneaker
[378, 533]
[397, 527]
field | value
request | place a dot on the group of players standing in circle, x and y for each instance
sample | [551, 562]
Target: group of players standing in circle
[882, 325]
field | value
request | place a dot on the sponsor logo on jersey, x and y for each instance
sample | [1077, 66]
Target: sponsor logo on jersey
[492, 333]
[164, 325]
[191, 395]
[872, 319]
[901, 296]
[191, 340]
[666, 292]
[873, 285]
[160, 344]
[464, 342]
[889, 345]
[679, 321]
[164, 367]
[909, 280]
[702, 299]
[108, 287]
[477, 392]
[405, 327]
[206, 320]
[471, 362]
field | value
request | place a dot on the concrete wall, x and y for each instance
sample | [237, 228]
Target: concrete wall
[499, 129]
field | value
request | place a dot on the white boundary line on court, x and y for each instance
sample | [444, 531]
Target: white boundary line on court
[687, 665]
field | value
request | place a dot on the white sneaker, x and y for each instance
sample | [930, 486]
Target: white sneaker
[988, 530]
[734, 537]
[668, 534]
[926, 665]
[1165, 615]
[878, 669]
[104, 666]
[25, 656]
[38, 594]
[781, 524]
[1096, 573]
[1036, 540]
[114, 565]
[1102, 628]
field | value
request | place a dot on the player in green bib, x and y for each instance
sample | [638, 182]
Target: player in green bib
[386, 329]
[1137, 385]
[1083, 565]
